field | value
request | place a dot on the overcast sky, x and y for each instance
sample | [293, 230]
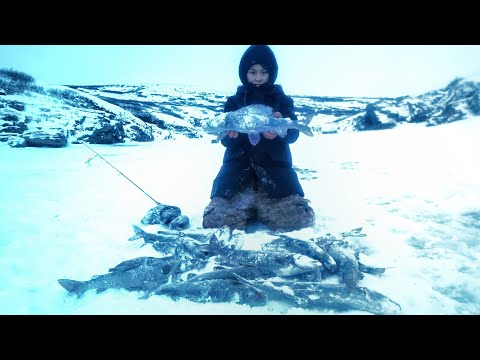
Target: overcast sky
[323, 70]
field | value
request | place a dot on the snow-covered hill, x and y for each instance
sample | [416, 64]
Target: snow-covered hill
[45, 115]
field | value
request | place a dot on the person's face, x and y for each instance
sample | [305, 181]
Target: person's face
[257, 75]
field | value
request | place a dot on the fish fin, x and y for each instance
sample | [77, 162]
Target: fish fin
[128, 265]
[254, 138]
[215, 246]
[242, 280]
[370, 269]
[219, 267]
[266, 289]
[173, 270]
[146, 294]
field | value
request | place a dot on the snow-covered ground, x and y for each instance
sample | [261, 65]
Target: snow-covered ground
[414, 190]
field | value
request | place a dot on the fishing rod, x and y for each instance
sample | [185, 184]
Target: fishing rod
[100, 156]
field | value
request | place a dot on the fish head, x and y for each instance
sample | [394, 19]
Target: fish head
[251, 296]
[306, 262]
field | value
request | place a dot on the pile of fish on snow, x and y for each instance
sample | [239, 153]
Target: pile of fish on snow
[209, 265]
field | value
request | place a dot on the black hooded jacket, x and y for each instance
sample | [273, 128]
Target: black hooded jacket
[269, 163]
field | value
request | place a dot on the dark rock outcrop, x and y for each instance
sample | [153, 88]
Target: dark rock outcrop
[371, 121]
[41, 138]
[108, 134]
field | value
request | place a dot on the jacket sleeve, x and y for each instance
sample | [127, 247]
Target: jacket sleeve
[230, 105]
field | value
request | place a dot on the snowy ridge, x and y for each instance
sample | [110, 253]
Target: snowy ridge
[149, 112]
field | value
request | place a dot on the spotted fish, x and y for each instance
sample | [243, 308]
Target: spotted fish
[253, 120]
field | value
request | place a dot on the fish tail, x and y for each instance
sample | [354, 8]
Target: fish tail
[308, 120]
[72, 286]
[221, 136]
[138, 231]
[139, 234]
[304, 129]
[215, 246]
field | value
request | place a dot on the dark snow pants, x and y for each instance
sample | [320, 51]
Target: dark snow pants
[283, 214]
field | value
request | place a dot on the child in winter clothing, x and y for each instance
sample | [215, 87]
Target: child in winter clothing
[258, 183]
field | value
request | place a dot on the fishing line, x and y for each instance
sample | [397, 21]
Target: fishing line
[100, 156]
